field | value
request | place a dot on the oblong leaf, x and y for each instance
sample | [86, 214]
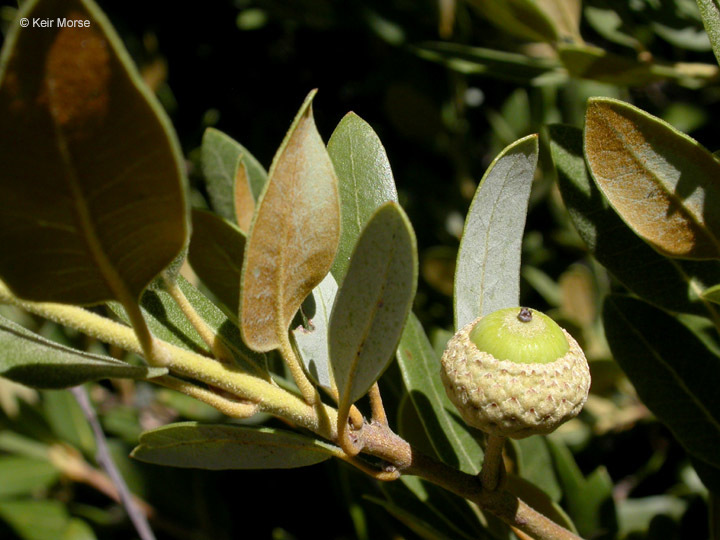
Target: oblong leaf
[294, 234]
[312, 337]
[589, 501]
[364, 178]
[454, 442]
[224, 446]
[660, 181]
[515, 67]
[373, 303]
[710, 11]
[35, 361]
[670, 369]
[25, 475]
[216, 255]
[673, 284]
[92, 181]
[521, 18]
[225, 164]
[487, 277]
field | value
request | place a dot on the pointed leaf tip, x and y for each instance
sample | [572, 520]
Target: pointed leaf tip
[294, 234]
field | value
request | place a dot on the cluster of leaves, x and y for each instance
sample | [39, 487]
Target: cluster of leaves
[663, 336]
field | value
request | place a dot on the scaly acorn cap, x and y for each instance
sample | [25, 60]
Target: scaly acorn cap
[515, 373]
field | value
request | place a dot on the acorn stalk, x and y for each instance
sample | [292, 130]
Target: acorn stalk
[515, 373]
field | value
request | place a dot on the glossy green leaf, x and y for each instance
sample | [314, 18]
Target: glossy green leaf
[589, 501]
[67, 420]
[670, 283]
[710, 11]
[167, 322]
[35, 361]
[364, 178]
[415, 521]
[225, 163]
[660, 181]
[25, 476]
[487, 277]
[373, 303]
[221, 446]
[636, 515]
[538, 499]
[442, 511]
[502, 65]
[662, 358]
[92, 179]
[294, 234]
[216, 256]
[311, 337]
[454, 442]
[535, 465]
[520, 18]
[35, 520]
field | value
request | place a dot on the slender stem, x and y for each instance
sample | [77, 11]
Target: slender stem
[208, 335]
[103, 457]
[356, 418]
[344, 438]
[229, 407]
[376, 404]
[153, 350]
[377, 440]
[307, 389]
[493, 468]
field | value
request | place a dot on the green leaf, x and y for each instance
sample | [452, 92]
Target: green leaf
[487, 277]
[538, 499]
[519, 18]
[373, 303]
[312, 338]
[454, 442]
[216, 256]
[589, 62]
[229, 168]
[588, 500]
[535, 465]
[92, 180]
[67, 420]
[712, 294]
[294, 234]
[416, 521]
[77, 529]
[514, 67]
[36, 520]
[365, 181]
[670, 283]
[25, 476]
[167, 322]
[441, 511]
[661, 182]
[205, 446]
[670, 369]
[710, 11]
[35, 361]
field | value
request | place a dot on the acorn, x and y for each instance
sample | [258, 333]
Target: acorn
[515, 373]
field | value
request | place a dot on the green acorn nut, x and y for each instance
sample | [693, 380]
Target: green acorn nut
[515, 373]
